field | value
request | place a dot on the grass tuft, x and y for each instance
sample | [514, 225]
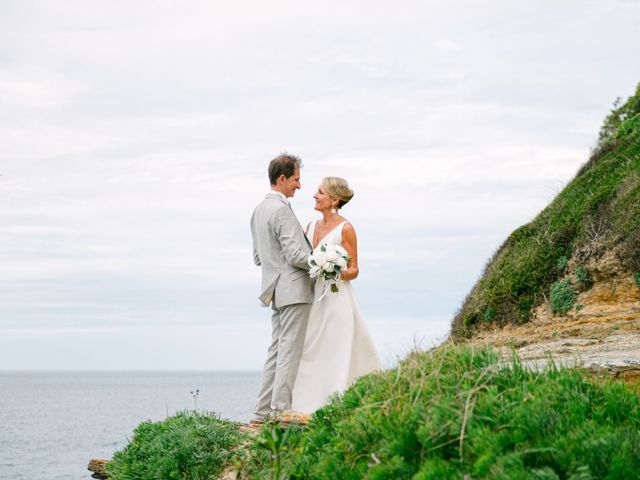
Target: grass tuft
[187, 446]
[563, 296]
[561, 264]
[583, 277]
[489, 314]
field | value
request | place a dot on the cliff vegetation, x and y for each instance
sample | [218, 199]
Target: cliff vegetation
[451, 413]
[546, 262]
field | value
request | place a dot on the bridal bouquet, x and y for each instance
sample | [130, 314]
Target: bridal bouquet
[327, 262]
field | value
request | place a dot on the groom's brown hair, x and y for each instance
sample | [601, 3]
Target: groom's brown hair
[284, 164]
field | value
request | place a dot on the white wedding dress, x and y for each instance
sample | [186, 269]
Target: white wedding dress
[337, 346]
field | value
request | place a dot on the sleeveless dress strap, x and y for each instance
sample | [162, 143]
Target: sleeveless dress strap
[311, 229]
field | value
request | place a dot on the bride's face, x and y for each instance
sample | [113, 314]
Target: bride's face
[324, 201]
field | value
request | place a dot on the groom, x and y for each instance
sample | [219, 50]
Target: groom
[281, 249]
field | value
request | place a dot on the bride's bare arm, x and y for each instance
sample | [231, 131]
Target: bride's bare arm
[350, 243]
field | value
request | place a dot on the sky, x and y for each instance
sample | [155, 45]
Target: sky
[135, 138]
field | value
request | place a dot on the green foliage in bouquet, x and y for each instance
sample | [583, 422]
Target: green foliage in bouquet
[454, 413]
[187, 446]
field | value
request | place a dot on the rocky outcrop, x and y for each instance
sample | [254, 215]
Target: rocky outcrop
[601, 333]
[99, 468]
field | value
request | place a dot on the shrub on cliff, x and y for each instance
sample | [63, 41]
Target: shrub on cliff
[598, 210]
[455, 412]
[562, 296]
[187, 446]
[619, 113]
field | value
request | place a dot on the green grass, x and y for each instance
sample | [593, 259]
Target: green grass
[454, 413]
[583, 277]
[600, 206]
[187, 446]
[489, 314]
[618, 115]
[561, 264]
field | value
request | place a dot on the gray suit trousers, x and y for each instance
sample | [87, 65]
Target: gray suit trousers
[289, 325]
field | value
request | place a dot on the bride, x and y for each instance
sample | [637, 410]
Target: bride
[337, 345]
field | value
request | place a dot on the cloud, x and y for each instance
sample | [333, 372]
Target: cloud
[136, 138]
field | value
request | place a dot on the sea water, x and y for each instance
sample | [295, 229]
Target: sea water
[53, 423]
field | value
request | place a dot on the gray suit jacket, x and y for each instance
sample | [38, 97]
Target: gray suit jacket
[281, 248]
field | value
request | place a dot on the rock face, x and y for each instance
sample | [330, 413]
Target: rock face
[602, 334]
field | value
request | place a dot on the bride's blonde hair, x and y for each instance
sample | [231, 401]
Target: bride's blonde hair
[338, 188]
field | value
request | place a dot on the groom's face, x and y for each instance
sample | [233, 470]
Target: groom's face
[291, 184]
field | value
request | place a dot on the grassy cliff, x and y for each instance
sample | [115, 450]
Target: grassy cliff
[598, 211]
[454, 413]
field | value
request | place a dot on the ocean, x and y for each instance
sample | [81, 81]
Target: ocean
[53, 423]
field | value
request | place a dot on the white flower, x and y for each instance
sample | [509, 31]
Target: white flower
[320, 258]
[326, 262]
[333, 256]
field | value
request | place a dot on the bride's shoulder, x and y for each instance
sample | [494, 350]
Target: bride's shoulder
[347, 226]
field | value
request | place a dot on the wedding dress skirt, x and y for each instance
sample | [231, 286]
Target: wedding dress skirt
[337, 347]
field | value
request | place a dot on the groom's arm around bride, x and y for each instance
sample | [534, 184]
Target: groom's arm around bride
[281, 249]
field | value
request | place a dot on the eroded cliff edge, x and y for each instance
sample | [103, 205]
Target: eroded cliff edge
[566, 286]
